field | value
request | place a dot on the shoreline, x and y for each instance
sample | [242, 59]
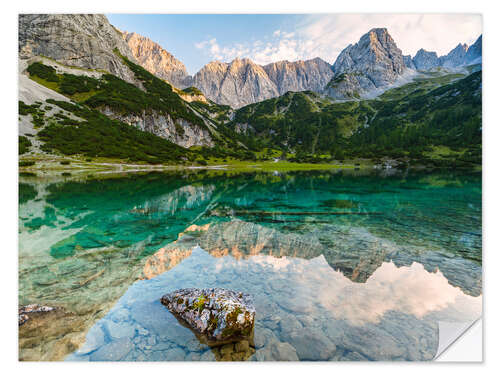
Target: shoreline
[48, 165]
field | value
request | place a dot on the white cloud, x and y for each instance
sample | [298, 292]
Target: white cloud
[330, 34]
[215, 51]
[326, 36]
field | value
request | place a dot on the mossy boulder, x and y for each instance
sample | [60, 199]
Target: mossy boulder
[220, 315]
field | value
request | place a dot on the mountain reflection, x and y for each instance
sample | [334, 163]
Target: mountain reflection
[82, 243]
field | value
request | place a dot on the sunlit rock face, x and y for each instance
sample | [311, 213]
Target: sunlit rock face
[243, 82]
[152, 57]
[218, 314]
[374, 62]
[238, 83]
[82, 40]
[300, 75]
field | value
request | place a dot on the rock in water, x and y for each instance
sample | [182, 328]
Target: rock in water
[218, 314]
[25, 311]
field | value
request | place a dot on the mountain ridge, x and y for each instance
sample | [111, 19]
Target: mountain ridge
[241, 81]
[461, 55]
[304, 121]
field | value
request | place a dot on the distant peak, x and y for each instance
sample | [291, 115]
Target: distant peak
[379, 30]
[244, 60]
[422, 51]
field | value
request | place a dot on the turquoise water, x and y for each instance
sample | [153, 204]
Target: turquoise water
[342, 265]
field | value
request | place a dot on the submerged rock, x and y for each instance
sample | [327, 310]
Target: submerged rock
[25, 311]
[220, 315]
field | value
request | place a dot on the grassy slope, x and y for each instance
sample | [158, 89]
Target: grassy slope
[125, 98]
[403, 122]
[410, 121]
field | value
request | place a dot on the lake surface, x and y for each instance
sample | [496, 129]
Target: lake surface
[342, 265]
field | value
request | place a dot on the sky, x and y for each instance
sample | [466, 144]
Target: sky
[197, 39]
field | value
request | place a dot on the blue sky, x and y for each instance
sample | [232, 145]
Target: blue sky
[197, 39]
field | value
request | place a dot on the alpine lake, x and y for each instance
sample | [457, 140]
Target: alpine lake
[342, 264]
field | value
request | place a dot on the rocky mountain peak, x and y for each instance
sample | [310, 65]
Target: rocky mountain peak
[375, 51]
[475, 52]
[455, 57]
[374, 62]
[300, 75]
[157, 60]
[461, 55]
[243, 82]
[409, 62]
[425, 60]
[82, 40]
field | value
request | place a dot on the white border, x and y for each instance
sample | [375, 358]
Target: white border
[8, 148]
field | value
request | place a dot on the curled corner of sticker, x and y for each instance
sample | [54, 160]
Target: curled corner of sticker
[450, 332]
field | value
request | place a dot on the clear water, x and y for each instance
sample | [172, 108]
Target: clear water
[342, 265]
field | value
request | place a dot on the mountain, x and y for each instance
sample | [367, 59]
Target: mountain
[425, 60]
[84, 59]
[300, 75]
[475, 52]
[238, 83]
[243, 82]
[152, 57]
[80, 82]
[456, 57]
[461, 55]
[81, 40]
[374, 62]
[443, 109]
[409, 62]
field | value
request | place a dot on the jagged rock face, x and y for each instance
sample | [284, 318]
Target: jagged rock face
[376, 55]
[456, 57]
[374, 62]
[243, 82]
[237, 84]
[475, 52]
[221, 315]
[163, 126]
[461, 55]
[299, 75]
[409, 62]
[152, 57]
[82, 40]
[425, 60]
